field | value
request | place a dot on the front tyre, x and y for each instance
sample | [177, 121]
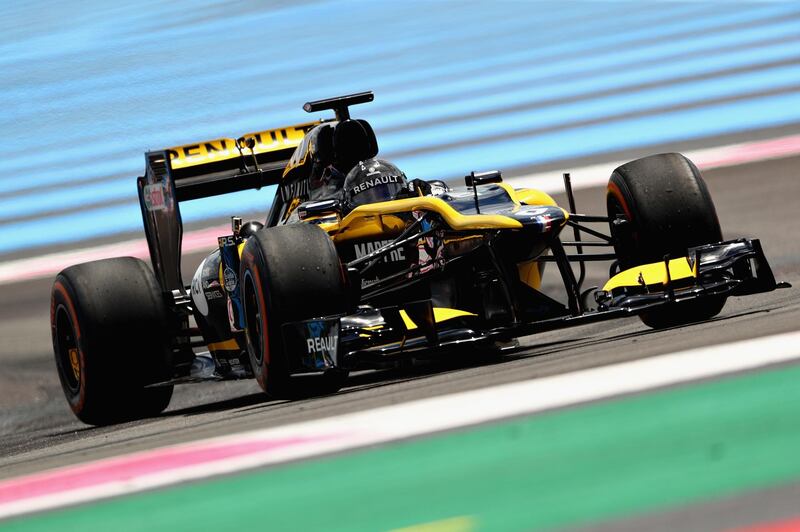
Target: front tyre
[109, 325]
[289, 273]
[668, 209]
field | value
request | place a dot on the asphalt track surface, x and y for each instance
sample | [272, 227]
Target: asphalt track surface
[37, 430]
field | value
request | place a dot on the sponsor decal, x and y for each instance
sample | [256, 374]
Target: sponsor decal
[229, 240]
[200, 303]
[202, 151]
[295, 189]
[366, 283]
[374, 182]
[231, 279]
[212, 290]
[211, 295]
[545, 220]
[365, 248]
[155, 196]
[320, 345]
[536, 211]
[221, 149]
[322, 342]
[542, 216]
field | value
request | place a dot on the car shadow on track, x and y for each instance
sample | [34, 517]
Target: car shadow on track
[371, 380]
[420, 369]
[362, 382]
[228, 404]
[579, 343]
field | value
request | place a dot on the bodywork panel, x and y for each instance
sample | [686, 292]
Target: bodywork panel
[431, 271]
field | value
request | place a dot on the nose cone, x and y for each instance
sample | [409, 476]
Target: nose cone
[542, 219]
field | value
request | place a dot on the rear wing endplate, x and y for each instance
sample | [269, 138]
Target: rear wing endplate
[202, 170]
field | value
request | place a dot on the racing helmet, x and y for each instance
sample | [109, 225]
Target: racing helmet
[372, 181]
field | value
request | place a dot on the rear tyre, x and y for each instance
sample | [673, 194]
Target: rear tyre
[110, 330]
[668, 209]
[289, 273]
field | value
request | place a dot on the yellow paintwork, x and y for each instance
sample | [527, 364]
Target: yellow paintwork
[225, 148]
[75, 363]
[530, 274]
[373, 220]
[226, 345]
[300, 156]
[376, 219]
[290, 209]
[453, 218]
[439, 314]
[370, 226]
[530, 196]
[651, 274]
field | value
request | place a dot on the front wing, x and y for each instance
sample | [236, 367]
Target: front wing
[372, 337]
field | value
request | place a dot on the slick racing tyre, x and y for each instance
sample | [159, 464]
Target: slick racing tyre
[668, 209]
[110, 331]
[289, 273]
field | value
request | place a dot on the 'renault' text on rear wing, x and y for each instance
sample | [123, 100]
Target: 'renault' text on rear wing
[201, 170]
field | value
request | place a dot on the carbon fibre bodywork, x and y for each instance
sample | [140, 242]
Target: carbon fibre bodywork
[433, 269]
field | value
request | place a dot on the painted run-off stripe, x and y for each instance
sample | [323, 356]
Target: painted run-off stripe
[551, 182]
[600, 463]
[162, 467]
[787, 525]
[49, 265]
[597, 175]
[93, 474]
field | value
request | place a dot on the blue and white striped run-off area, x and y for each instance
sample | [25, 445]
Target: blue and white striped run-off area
[88, 86]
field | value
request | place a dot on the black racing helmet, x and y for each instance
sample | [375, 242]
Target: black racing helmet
[372, 181]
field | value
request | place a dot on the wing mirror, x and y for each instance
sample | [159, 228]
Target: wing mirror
[311, 209]
[482, 178]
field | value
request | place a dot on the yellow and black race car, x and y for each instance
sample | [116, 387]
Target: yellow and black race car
[357, 266]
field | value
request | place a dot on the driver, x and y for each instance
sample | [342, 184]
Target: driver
[372, 181]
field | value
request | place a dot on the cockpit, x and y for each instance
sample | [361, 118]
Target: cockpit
[336, 161]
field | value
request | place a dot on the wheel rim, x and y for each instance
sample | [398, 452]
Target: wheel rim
[68, 351]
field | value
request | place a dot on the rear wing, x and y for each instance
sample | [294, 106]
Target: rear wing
[202, 170]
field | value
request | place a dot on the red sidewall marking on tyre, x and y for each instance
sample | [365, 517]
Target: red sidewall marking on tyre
[617, 193]
[614, 190]
[255, 274]
[73, 318]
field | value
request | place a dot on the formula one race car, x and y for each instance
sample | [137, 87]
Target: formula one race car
[357, 266]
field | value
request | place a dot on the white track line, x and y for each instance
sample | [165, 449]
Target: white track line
[597, 175]
[550, 182]
[49, 265]
[426, 416]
